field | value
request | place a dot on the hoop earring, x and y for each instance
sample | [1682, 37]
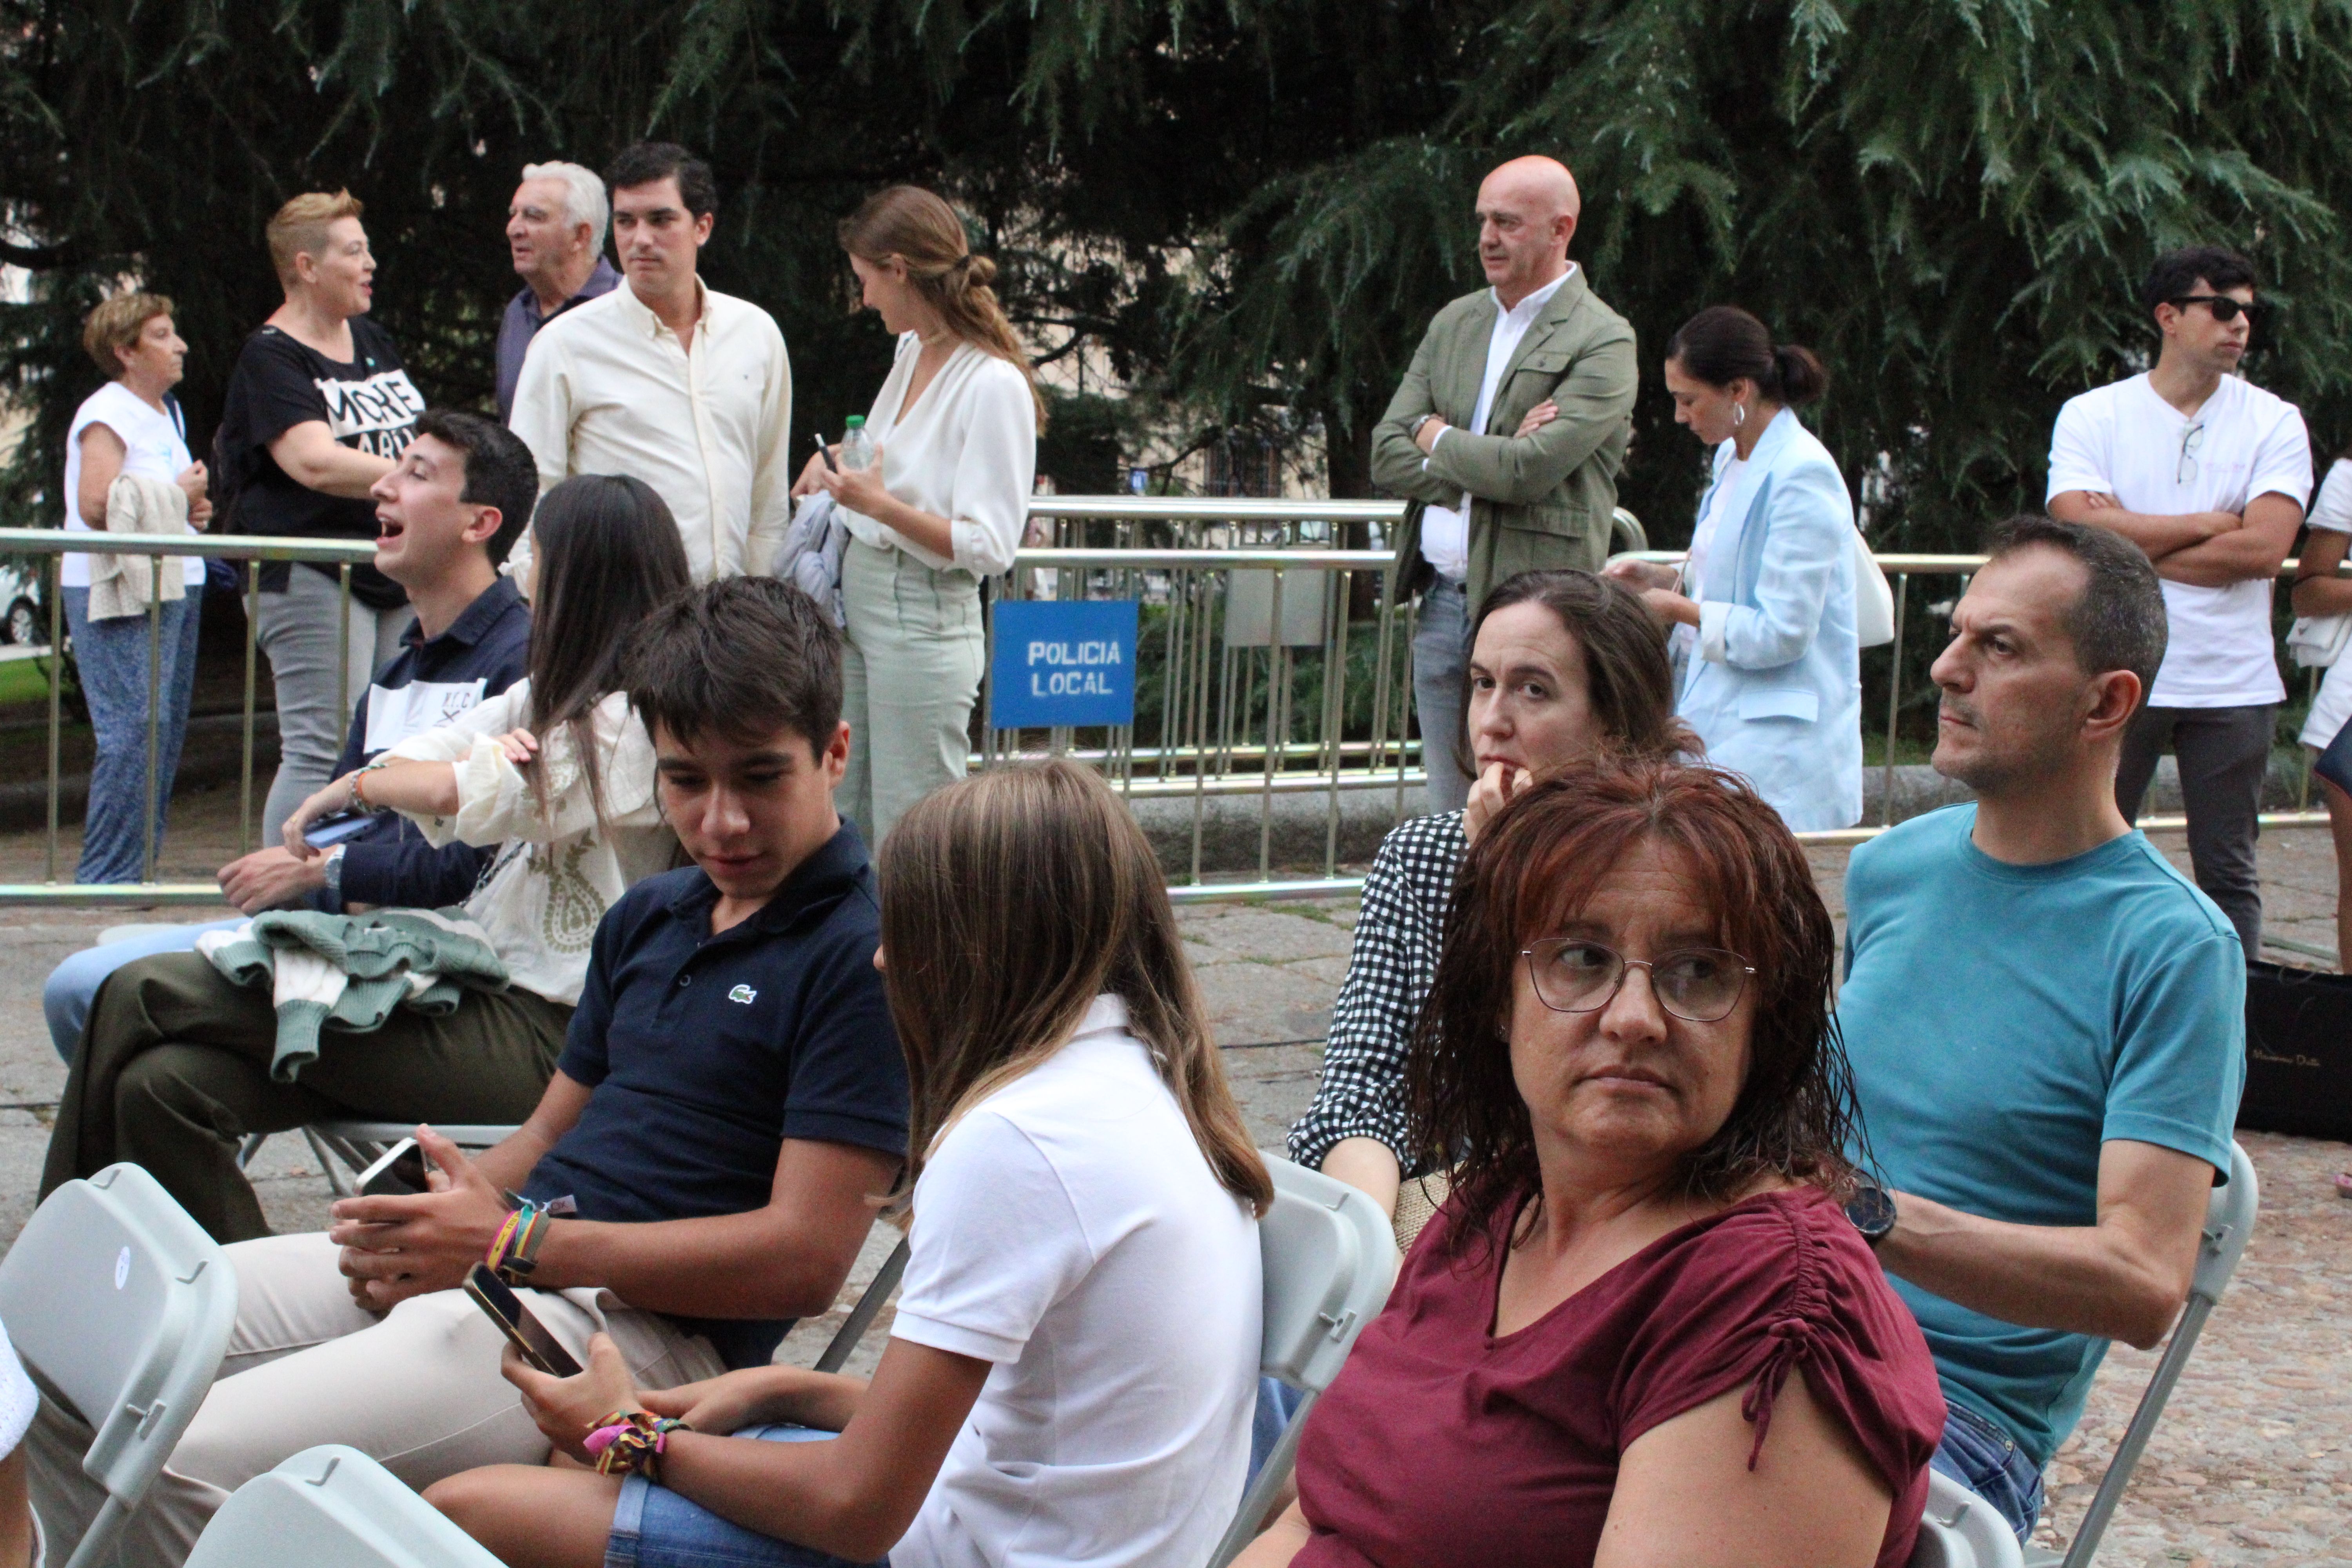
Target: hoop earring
[1738, 415]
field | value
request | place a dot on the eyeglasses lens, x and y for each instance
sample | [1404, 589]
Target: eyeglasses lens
[1700, 984]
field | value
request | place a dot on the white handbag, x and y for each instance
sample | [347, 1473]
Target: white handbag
[1873, 601]
[2317, 642]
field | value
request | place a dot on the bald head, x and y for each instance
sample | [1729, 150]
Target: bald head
[1528, 210]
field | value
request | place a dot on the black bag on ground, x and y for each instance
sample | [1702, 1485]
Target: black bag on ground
[2298, 1052]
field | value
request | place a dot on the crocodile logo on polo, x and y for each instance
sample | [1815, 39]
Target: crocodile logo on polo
[743, 994]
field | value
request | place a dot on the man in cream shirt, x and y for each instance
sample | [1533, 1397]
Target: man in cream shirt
[666, 380]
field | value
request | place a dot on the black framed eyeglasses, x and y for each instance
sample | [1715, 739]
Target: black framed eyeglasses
[2224, 308]
[1577, 974]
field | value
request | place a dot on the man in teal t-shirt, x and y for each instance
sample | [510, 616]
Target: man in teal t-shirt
[2047, 1020]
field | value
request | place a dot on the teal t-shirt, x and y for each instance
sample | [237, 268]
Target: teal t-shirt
[2003, 1022]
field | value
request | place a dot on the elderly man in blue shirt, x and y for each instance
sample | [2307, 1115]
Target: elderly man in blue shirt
[555, 229]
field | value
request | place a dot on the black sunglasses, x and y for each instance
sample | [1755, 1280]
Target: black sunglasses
[2224, 309]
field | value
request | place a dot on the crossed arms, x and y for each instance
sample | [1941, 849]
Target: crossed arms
[2208, 549]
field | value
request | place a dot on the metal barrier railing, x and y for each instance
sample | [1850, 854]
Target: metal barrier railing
[1271, 664]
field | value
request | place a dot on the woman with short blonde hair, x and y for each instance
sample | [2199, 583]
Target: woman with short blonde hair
[944, 505]
[130, 434]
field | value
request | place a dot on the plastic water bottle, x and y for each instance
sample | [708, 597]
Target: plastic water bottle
[856, 446]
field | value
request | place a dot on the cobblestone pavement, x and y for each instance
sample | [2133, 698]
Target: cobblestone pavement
[2253, 1463]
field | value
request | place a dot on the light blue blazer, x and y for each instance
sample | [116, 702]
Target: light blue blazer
[1772, 682]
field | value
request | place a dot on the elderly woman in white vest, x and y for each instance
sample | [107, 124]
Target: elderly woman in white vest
[944, 504]
[1763, 613]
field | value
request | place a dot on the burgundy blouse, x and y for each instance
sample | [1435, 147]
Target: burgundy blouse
[1442, 1444]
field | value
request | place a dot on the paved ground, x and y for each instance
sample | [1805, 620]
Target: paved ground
[2254, 1462]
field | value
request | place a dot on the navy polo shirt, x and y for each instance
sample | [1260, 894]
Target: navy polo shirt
[428, 682]
[702, 1053]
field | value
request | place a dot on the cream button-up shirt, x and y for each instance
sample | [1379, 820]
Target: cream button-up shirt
[607, 389]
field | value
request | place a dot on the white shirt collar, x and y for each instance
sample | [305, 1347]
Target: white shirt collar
[1107, 1014]
[651, 324]
[1526, 309]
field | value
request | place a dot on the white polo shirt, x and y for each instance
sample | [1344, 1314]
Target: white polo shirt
[2124, 440]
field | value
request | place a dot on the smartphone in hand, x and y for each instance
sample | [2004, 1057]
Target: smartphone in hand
[527, 1334]
[329, 831]
[399, 1173]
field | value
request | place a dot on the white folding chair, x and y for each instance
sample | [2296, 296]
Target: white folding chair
[120, 1305]
[332, 1507]
[1961, 1530]
[1329, 1258]
[2229, 1221]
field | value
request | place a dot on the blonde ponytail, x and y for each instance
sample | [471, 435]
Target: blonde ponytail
[924, 233]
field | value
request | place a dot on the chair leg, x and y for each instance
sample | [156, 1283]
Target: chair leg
[2085, 1544]
[861, 1316]
[336, 1178]
[1271, 1476]
[248, 1147]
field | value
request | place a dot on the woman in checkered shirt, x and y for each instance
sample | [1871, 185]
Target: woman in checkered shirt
[1561, 663]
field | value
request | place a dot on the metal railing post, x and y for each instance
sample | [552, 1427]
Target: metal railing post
[154, 715]
[56, 567]
[252, 657]
[1894, 700]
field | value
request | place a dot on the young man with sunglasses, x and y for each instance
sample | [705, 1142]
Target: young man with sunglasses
[2208, 474]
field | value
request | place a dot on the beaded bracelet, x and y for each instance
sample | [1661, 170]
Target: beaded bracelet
[627, 1442]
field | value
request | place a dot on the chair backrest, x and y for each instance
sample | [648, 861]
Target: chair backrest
[119, 1301]
[2230, 1217]
[1961, 1529]
[332, 1507]
[1330, 1256]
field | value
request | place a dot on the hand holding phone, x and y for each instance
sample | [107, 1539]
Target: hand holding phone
[825, 452]
[399, 1173]
[524, 1331]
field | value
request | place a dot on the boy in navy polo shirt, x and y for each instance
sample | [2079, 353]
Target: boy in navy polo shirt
[728, 1114]
[448, 513]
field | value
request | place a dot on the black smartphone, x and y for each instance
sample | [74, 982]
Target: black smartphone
[400, 1171]
[827, 453]
[514, 1319]
[329, 831]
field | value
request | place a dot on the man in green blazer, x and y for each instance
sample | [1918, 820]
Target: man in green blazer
[1506, 437]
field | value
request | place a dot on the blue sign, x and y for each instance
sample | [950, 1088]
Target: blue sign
[1062, 663]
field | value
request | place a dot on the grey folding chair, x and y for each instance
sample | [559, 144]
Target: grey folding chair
[120, 1305]
[1961, 1529]
[358, 1144]
[1328, 1258]
[861, 1317]
[332, 1507]
[2229, 1221]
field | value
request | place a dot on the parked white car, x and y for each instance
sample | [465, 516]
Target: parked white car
[24, 619]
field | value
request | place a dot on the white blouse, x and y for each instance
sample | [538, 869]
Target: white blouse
[968, 453]
[556, 874]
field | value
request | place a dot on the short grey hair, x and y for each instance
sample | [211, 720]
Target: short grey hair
[583, 198]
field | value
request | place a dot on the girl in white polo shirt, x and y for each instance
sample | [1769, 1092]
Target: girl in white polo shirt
[1070, 1376]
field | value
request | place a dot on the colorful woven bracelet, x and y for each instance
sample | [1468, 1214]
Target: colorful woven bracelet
[513, 1254]
[627, 1442]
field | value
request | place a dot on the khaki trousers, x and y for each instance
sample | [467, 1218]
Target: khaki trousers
[911, 660]
[417, 1390]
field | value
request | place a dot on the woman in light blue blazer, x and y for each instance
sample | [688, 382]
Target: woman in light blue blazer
[1762, 613]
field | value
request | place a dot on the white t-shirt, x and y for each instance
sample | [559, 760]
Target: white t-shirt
[2124, 440]
[1069, 1230]
[2332, 710]
[155, 448]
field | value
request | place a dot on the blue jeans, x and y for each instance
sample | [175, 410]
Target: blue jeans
[72, 986]
[653, 1527]
[111, 657]
[1277, 1403]
[1987, 1460]
[1440, 683]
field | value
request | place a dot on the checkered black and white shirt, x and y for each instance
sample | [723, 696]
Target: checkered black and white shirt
[1390, 972]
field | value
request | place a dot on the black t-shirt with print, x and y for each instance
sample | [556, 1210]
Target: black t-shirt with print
[369, 404]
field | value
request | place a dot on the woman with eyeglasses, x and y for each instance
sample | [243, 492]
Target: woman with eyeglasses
[1641, 1315]
[1762, 615]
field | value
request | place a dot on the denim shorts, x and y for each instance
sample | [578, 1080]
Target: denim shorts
[653, 1527]
[1987, 1460]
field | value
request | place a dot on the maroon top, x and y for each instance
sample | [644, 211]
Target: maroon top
[1441, 1443]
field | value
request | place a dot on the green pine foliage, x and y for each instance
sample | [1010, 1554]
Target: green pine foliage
[1246, 210]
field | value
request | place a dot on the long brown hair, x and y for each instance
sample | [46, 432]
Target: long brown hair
[921, 230]
[608, 553]
[1528, 875]
[1628, 679]
[1010, 901]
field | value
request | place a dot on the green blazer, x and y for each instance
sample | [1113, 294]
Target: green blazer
[1539, 503]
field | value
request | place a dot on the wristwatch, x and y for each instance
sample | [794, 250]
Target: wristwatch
[1872, 1209]
[332, 868]
[1414, 431]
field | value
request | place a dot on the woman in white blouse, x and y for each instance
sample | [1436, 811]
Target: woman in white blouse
[555, 769]
[955, 432]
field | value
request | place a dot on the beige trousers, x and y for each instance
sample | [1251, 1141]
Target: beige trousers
[418, 1390]
[911, 660]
